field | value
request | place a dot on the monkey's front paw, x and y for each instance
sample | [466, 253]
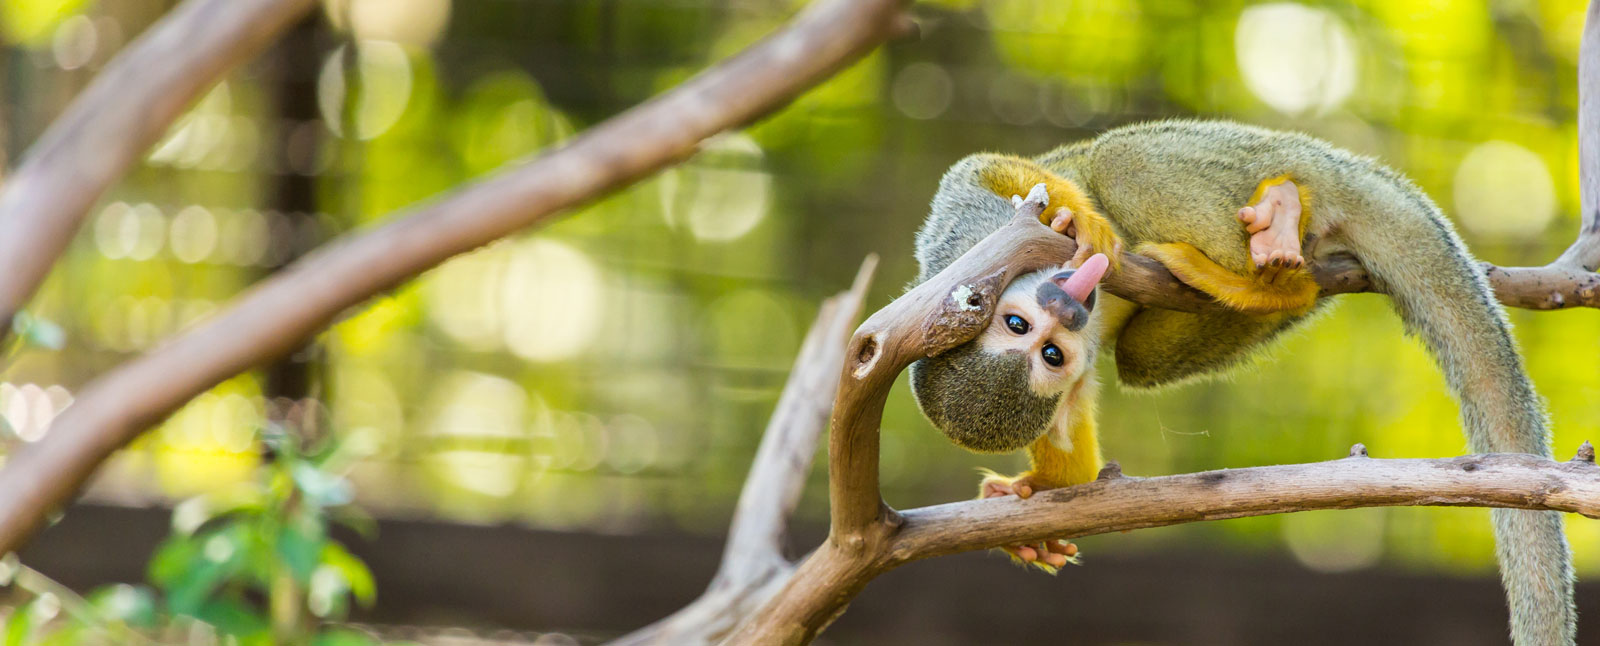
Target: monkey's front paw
[1049, 556]
[1091, 231]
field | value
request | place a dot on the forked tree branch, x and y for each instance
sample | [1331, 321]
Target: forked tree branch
[276, 315]
[868, 538]
[753, 566]
[818, 591]
[113, 121]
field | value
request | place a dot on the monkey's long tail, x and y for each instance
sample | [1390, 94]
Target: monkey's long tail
[1443, 297]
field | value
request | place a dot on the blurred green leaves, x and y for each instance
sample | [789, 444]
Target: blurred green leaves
[254, 562]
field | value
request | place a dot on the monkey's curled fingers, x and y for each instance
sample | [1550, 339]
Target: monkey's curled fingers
[1049, 556]
[1090, 230]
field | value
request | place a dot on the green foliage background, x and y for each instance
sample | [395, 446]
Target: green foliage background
[613, 371]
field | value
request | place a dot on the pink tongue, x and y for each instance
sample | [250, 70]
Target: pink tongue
[1082, 281]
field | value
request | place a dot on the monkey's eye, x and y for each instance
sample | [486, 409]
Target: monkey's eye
[1052, 355]
[1017, 324]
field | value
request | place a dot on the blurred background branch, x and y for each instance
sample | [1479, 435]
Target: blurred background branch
[111, 124]
[567, 412]
[277, 314]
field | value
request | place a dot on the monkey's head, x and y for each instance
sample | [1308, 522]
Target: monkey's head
[1000, 391]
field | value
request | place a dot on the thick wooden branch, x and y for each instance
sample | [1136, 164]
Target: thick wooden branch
[275, 316]
[753, 566]
[1123, 503]
[944, 311]
[1552, 287]
[867, 537]
[113, 121]
[821, 588]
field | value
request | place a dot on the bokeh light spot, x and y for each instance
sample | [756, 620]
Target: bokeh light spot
[1502, 189]
[385, 81]
[922, 90]
[1295, 58]
[550, 301]
[722, 193]
[472, 405]
[413, 22]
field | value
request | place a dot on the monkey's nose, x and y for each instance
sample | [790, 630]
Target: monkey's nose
[1060, 278]
[1070, 313]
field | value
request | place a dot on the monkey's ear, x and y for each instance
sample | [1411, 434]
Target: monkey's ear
[1079, 284]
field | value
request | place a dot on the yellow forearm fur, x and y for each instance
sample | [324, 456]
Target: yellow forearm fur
[1006, 176]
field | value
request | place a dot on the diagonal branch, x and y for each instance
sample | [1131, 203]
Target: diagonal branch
[276, 315]
[111, 123]
[753, 566]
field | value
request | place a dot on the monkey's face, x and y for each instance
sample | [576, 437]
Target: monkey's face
[1045, 317]
[1000, 391]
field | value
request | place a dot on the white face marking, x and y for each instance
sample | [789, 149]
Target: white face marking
[1042, 329]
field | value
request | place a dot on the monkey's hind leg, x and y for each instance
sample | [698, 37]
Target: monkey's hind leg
[1281, 282]
[1270, 290]
[1277, 223]
[1068, 454]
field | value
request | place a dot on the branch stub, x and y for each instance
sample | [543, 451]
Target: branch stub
[1585, 453]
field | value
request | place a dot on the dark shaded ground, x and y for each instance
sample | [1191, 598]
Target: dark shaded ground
[600, 586]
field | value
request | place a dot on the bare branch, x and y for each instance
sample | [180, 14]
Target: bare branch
[868, 538]
[823, 585]
[1511, 480]
[944, 311]
[1146, 281]
[1584, 254]
[778, 475]
[111, 123]
[753, 566]
[276, 315]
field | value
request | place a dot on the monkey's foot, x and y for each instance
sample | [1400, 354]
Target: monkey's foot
[1274, 226]
[1049, 556]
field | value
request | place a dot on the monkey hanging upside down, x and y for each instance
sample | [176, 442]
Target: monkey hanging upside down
[1226, 208]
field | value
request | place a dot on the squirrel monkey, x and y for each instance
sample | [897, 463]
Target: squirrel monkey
[1225, 207]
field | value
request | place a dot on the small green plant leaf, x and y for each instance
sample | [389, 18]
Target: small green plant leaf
[132, 605]
[173, 558]
[190, 515]
[19, 625]
[234, 618]
[321, 487]
[300, 544]
[353, 571]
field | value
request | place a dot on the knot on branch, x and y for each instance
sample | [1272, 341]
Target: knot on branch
[1358, 450]
[1111, 471]
[964, 312]
[1585, 453]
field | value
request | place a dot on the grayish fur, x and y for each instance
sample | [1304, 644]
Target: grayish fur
[996, 415]
[996, 411]
[1183, 181]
